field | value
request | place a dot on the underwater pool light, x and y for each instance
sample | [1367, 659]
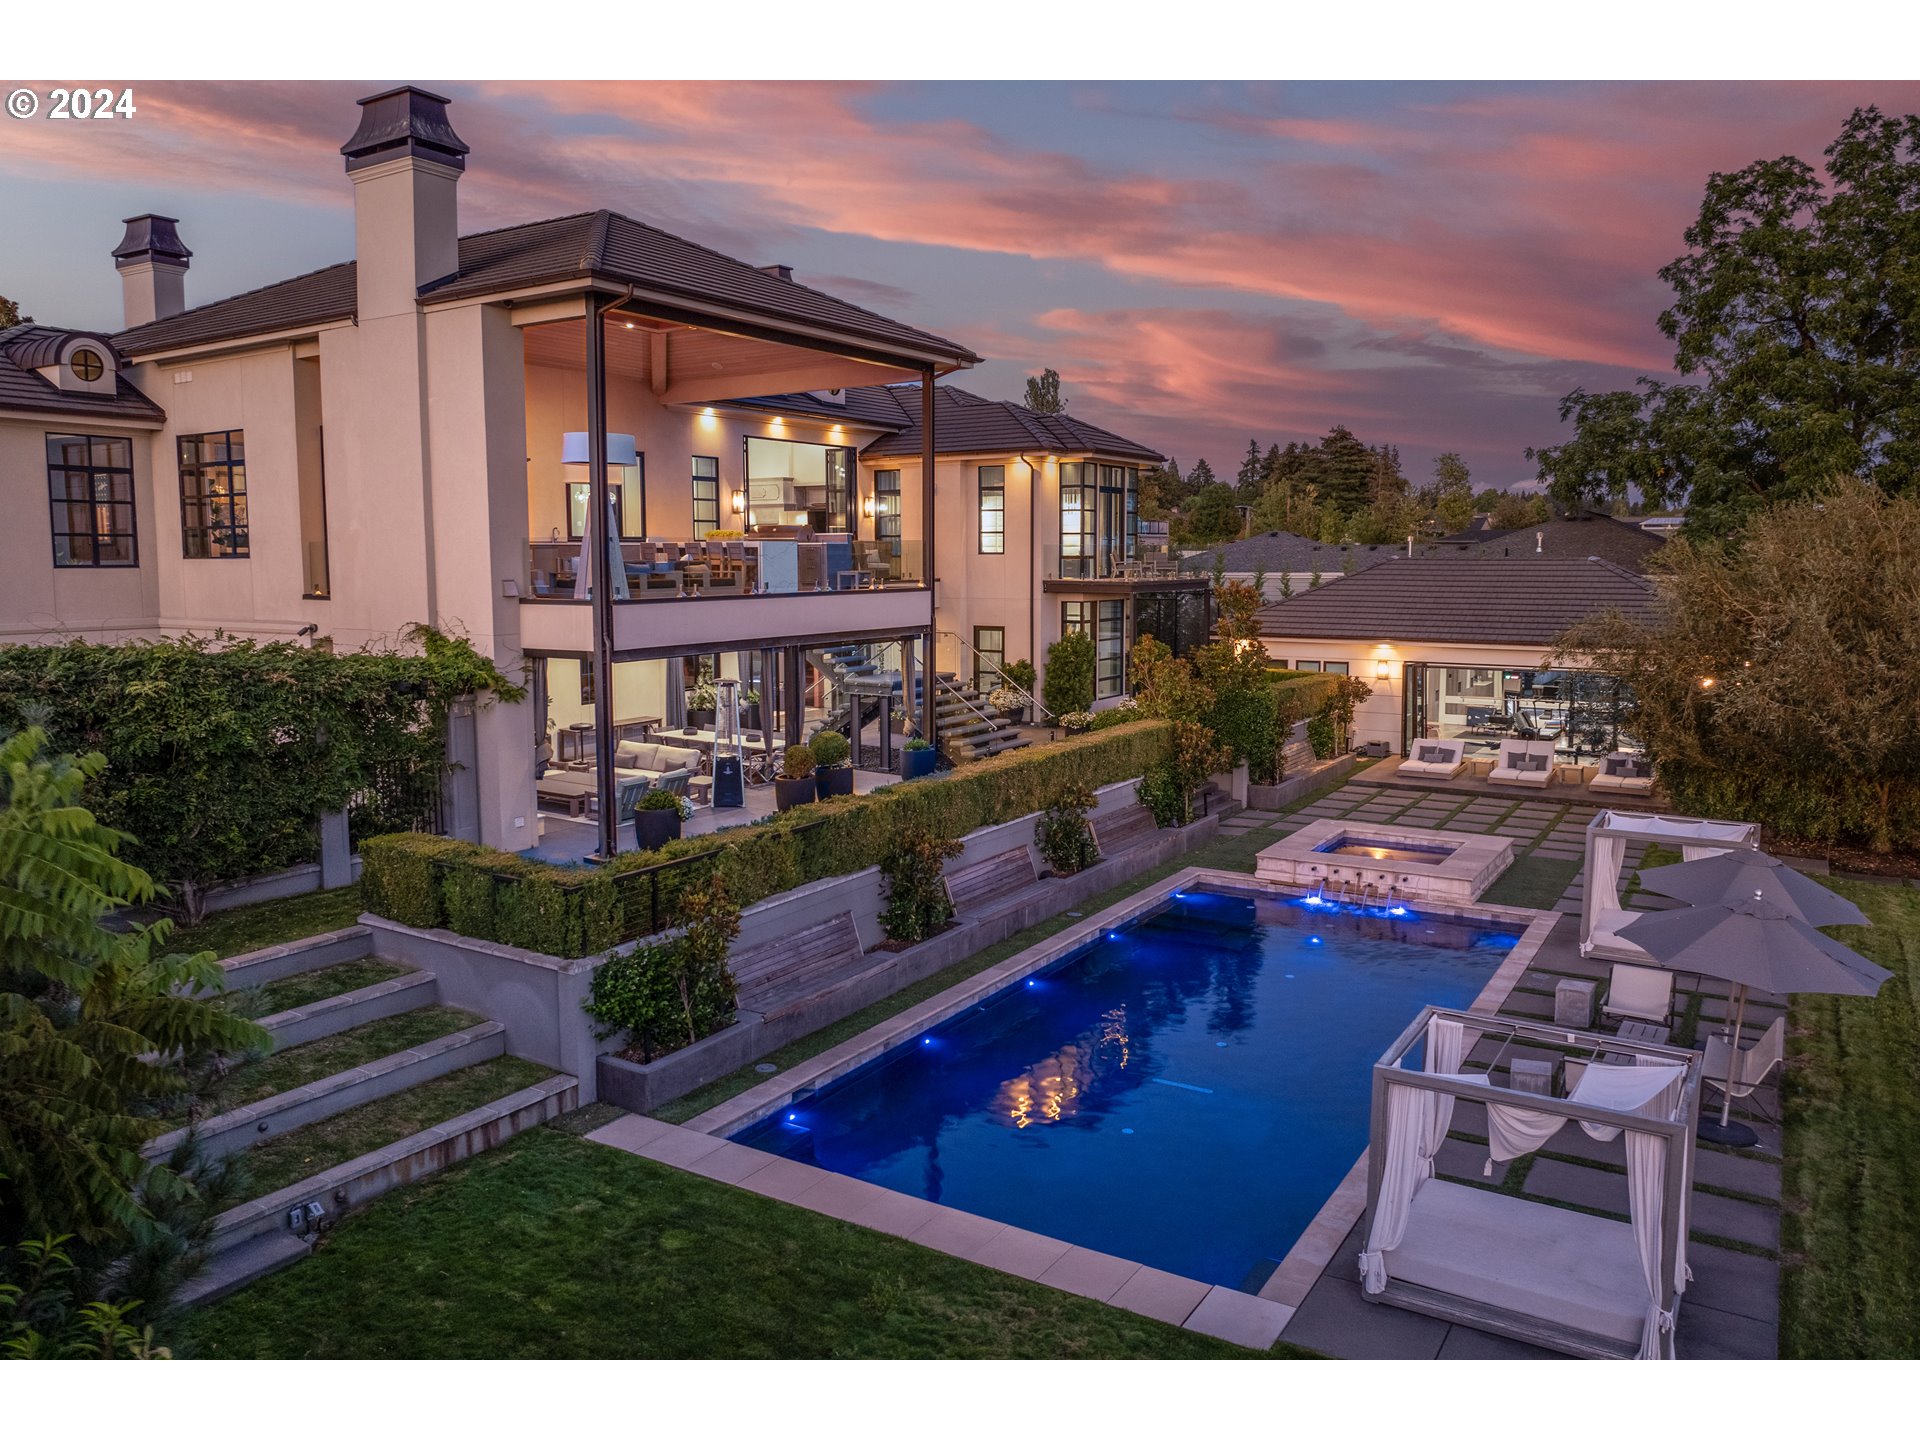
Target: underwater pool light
[1396, 910]
[1313, 939]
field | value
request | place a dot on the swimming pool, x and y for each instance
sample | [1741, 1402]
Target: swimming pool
[1185, 1091]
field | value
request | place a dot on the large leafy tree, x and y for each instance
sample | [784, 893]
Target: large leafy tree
[1796, 324]
[101, 1030]
[10, 314]
[1781, 680]
[1212, 517]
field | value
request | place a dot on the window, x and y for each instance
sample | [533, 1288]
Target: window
[886, 520]
[213, 495]
[1076, 523]
[90, 490]
[993, 509]
[1335, 667]
[87, 365]
[1112, 524]
[990, 656]
[1110, 650]
[1313, 666]
[706, 495]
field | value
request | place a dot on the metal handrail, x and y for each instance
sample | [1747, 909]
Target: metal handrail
[1031, 699]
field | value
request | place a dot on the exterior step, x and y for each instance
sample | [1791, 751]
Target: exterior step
[276, 1114]
[297, 957]
[356, 1007]
[242, 1265]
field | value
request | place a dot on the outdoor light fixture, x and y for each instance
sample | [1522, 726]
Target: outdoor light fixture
[1706, 682]
[739, 502]
[867, 507]
[1379, 669]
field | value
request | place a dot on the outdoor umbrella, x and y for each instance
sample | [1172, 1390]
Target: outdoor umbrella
[1734, 875]
[1752, 940]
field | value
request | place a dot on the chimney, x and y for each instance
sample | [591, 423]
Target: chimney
[779, 272]
[405, 163]
[153, 269]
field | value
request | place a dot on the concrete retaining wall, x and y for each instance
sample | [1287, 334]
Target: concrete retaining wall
[1297, 787]
[343, 1012]
[297, 957]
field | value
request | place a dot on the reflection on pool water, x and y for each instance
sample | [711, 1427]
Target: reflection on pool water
[1184, 1092]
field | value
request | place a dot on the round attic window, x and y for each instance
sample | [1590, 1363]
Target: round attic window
[87, 365]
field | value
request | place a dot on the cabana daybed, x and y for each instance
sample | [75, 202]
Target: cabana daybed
[1435, 760]
[1582, 1284]
[1608, 834]
[1623, 773]
[1523, 762]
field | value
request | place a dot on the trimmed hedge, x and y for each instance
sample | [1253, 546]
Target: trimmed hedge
[428, 882]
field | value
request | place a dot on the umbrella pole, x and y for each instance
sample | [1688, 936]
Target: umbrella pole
[1733, 1054]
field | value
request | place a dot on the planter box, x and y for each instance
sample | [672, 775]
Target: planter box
[914, 764]
[789, 793]
[1293, 787]
[834, 780]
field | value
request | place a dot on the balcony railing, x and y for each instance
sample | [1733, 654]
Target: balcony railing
[754, 565]
[1113, 564]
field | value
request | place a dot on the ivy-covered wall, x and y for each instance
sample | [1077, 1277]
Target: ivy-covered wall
[426, 881]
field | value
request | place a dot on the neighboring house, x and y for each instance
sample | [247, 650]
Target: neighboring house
[1458, 647]
[1036, 528]
[397, 439]
[1571, 537]
[1280, 553]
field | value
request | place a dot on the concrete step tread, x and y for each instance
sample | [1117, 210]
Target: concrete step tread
[416, 980]
[242, 1265]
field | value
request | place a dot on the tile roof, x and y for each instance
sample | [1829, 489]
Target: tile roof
[1573, 537]
[23, 348]
[1462, 599]
[1280, 551]
[965, 423]
[597, 243]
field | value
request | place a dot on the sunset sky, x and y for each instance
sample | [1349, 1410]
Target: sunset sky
[1429, 264]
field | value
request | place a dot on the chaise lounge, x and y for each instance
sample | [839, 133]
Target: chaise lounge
[1434, 760]
[1623, 773]
[1524, 762]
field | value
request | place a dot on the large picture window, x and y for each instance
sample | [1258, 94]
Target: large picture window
[1110, 650]
[990, 656]
[213, 495]
[993, 509]
[886, 519]
[90, 490]
[706, 495]
[1076, 522]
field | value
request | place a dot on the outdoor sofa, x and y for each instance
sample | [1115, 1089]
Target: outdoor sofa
[649, 760]
[1623, 773]
[1434, 760]
[1524, 762]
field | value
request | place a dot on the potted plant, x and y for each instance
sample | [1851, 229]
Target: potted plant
[1077, 722]
[796, 784]
[750, 710]
[701, 702]
[1019, 675]
[832, 772]
[657, 817]
[917, 759]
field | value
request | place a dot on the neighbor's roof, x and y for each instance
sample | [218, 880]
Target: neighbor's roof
[969, 424]
[1465, 600]
[24, 348]
[597, 244]
[1571, 537]
[1281, 552]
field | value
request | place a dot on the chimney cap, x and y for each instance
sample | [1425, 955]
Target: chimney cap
[405, 121]
[151, 238]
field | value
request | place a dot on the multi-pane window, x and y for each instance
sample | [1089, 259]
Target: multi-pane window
[90, 490]
[993, 509]
[706, 495]
[1110, 649]
[886, 519]
[1076, 616]
[213, 495]
[989, 656]
[1113, 482]
[1335, 667]
[1076, 522]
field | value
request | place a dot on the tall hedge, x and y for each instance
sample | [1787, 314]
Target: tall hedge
[426, 881]
[221, 755]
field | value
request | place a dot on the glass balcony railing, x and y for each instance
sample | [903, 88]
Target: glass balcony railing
[733, 564]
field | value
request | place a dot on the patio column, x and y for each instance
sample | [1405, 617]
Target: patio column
[929, 552]
[609, 556]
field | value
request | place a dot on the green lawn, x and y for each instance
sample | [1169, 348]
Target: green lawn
[272, 922]
[1851, 1286]
[302, 1064]
[554, 1247]
[297, 990]
[1532, 881]
[326, 1143]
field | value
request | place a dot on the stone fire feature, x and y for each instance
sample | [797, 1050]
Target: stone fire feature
[1305, 860]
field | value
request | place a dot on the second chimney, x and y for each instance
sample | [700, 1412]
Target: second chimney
[405, 163]
[153, 269]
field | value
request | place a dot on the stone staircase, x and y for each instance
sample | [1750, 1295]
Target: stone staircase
[970, 728]
[370, 1083]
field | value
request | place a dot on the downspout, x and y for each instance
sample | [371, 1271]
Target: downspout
[1033, 568]
[929, 675]
[609, 555]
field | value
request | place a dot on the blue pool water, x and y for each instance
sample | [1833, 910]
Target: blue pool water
[1185, 1092]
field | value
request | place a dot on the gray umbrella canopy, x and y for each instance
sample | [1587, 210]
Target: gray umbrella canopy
[1753, 942]
[1735, 875]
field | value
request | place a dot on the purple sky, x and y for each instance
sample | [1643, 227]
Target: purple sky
[1429, 264]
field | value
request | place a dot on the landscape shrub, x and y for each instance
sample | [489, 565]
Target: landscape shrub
[916, 903]
[1321, 737]
[1069, 683]
[1190, 756]
[571, 911]
[221, 755]
[667, 995]
[829, 748]
[798, 762]
[1063, 835]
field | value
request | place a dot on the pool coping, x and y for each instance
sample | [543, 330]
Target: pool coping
[701, 1146]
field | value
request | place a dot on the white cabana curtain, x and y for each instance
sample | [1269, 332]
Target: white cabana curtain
[1602, 894]
[1417, 1122]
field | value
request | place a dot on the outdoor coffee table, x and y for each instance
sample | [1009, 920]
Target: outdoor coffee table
[1644, 1032]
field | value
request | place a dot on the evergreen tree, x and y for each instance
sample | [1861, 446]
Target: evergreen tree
[1212, 517]
[1043, 393]
[1346, 471]
[1246, 483]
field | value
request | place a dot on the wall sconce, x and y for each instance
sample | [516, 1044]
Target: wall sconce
[739, 502]
[867, 507]
[1380, 668]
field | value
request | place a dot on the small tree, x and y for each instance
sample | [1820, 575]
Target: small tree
[1168, 785]
[1068, 688]
[1043, 393]
[1063, 835]
[917, 904]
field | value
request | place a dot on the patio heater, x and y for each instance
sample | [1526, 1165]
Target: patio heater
[729, 754]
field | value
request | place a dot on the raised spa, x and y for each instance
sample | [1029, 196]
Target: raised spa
[1349, 860]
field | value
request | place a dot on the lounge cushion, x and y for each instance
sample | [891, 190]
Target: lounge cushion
[1433, 755]
[650, 757]
[1557, 1265]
